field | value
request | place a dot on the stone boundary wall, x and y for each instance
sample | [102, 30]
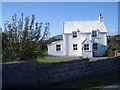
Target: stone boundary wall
[33, 74]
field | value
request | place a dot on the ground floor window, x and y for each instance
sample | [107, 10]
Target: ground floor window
[58, 47]
[86, 46]
[74, 46]
[94, 45]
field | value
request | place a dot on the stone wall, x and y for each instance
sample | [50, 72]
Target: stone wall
[33, 74]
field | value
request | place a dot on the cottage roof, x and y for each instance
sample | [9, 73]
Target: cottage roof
[84, 26]
[55, 42]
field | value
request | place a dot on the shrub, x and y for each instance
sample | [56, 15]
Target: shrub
[20, 42]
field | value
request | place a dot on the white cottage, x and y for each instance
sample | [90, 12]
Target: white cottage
[81, 38]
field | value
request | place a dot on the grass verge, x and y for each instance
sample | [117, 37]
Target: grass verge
[45, 60]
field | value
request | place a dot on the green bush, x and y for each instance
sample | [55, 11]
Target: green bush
[113, 43]
[21, 42]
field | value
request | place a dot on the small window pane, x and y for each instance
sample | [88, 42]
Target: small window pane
[74, 46]
[58, 47]
[86, 46]
[94, 33]
[94, 45]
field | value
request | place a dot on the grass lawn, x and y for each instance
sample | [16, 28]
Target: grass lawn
[49, 59]
[53, 59]
[46, 60]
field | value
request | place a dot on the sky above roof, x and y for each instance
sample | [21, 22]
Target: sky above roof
[57, 12]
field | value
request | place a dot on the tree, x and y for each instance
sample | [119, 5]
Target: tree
[113, 42]
[22, 38]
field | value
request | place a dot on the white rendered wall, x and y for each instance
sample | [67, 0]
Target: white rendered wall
[69, 45]
[52, 49]
[102, 44]
[87, 54]
[69, 41]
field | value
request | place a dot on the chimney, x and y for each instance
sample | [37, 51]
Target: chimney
[100, 18]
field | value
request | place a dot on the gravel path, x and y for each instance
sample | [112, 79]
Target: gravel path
[74, 58]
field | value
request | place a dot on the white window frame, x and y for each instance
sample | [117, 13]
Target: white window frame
[58, 47]
[94, 34]
[74, 34]
[87, 48]
[75, 47]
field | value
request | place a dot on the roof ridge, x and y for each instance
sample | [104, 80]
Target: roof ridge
[81, 21]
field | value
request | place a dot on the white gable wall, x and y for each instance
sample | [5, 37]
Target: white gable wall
[52, 48]
[102, 44]
[69, 41]
[69, 45]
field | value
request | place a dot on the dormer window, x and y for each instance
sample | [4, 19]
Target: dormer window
[94, 33]
[74, 34]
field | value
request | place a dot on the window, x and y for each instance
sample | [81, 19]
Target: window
[74, 46]
[58, 47]
[94, 45]
[94, 33]
[86, 46]
[74, 34]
